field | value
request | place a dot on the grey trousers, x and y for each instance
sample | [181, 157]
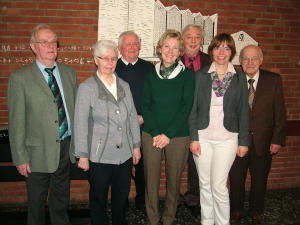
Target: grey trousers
[175, 155]
[58, 186]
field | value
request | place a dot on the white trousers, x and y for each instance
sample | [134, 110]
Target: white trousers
[213, 166]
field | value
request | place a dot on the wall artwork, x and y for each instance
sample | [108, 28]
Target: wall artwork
[149, 19]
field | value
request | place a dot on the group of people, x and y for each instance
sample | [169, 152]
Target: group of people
[188, 107]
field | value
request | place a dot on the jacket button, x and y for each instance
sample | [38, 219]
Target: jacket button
[56, 121]
[57, 141]
[119, 128]
[117, 111]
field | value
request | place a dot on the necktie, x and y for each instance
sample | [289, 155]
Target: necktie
[191, 65]
[251, 92]
[62, 119]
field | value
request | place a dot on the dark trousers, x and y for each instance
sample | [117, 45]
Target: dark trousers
[259, 167]
[139, 180]
[100, 177]
[191, 197]
[58, 184]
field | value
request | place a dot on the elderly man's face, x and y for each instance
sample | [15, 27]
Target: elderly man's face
[45, 47]
[192, 40]
[130, 48]
[251, 60]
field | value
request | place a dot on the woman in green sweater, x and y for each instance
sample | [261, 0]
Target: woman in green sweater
[166, 104]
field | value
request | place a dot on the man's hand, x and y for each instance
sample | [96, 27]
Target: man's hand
[24, 169]
[141, 120]
[274, 149]
[84, 164]
[195, 148]
[242, 151]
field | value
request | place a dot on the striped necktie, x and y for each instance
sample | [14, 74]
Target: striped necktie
[62, 119]
[191, 63]
[251, 92]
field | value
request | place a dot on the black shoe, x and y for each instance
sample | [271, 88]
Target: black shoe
[140, 203]
[235, 217]
[195, 210]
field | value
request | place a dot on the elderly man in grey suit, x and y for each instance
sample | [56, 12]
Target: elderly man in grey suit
[41, 99]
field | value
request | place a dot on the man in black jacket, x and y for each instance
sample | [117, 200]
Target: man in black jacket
[133, 70]
[194, 59]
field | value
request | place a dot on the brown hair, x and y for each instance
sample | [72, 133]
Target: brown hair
[220, 39]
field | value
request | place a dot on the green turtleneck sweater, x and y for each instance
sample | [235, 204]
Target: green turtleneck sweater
[167, 103]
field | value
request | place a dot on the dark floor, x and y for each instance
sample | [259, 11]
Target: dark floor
[282, 208]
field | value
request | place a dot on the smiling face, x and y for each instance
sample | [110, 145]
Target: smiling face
[221, 54]
[170, 51]
[192, 40]
[251, 59]
[45, 47]
[106, 62]
[130, 48]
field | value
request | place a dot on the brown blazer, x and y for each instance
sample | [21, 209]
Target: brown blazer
[267, 120]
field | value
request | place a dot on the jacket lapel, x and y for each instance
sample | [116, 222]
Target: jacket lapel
[39, 79]
[261, 84]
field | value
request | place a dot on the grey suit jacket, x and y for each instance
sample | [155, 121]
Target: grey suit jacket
[101, 122]
[33, 117]
[235, 106]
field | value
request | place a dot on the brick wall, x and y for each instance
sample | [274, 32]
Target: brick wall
[275, 24]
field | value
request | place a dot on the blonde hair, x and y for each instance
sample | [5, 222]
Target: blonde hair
[170, 34]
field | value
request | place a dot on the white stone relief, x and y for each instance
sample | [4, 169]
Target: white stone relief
[241, 40]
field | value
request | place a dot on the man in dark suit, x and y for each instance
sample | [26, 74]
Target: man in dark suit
[194, 59]
[133, 70]
[41, 99]
[267, 125]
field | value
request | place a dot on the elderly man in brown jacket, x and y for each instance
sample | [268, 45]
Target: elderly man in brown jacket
[267, 125]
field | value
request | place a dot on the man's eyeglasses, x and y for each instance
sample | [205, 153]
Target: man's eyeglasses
[253, 59]
[47, 43]
[107, 59]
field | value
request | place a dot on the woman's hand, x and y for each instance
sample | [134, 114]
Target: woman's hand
[136, 156]
[195, 148]
[242, 151]
[83, 163]
[161, 141]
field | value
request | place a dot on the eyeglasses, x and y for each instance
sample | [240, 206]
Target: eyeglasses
[46, 43]
[253, 59]
[107, 59]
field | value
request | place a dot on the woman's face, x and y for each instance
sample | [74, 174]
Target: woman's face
[106, 62]
[221, 54]
[170, 51]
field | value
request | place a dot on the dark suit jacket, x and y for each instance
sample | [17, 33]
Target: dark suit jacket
[235, 106]
[204, 59]
[32, 115]
[267, 121]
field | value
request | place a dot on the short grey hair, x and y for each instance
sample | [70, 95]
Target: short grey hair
[190, 26]
[129, 32]
[251, 46]
[37, 29]
[102, 46]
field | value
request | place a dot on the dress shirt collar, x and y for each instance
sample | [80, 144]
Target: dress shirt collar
[126, 63]
[256, 77]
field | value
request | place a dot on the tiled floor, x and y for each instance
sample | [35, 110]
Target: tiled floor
[282, 208]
